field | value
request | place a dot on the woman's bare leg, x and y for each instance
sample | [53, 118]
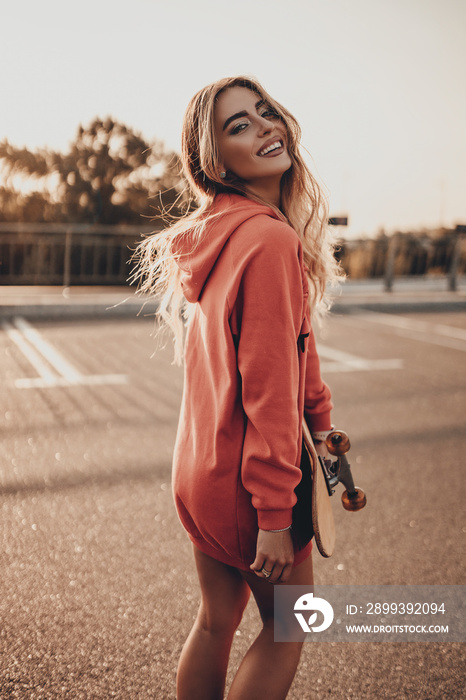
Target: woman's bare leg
[204, 660]
[268, 669]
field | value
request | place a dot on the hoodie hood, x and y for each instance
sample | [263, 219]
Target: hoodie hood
[231, 211]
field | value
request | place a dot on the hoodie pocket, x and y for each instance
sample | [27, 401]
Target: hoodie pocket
[302, 341]
[305, 325]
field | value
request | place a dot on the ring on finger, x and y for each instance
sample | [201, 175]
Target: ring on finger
[266, 573]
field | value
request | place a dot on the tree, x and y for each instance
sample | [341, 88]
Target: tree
[110, 175]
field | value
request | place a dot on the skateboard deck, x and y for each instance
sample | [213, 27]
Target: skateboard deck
[321, 507]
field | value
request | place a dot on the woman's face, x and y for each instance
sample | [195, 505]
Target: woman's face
[251, 139]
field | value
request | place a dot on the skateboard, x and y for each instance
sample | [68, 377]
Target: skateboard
[325, 475]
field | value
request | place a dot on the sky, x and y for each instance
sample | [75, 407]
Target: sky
[378, 86]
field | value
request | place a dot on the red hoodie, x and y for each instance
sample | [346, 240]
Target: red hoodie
[251, 370]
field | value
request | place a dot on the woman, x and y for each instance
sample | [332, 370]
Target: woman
[251, 261]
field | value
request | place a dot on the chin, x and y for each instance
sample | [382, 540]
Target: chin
[285, 165]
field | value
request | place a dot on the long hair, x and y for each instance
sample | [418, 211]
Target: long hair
[303, 205]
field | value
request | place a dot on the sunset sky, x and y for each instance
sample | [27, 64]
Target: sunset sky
[379, 86]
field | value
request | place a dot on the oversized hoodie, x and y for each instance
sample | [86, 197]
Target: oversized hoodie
[251, 370]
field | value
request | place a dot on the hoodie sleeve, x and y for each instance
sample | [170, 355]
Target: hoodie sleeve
[270, 315]
[317, 397]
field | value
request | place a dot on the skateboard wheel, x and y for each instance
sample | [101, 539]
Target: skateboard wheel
[353, 501]
[338, 443]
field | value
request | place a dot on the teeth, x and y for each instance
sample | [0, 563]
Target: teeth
[272, 147]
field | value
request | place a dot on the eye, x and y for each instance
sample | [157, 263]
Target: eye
[239, 127]
[270, 113]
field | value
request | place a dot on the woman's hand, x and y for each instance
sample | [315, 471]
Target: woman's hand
[274, 554]
[274, 551]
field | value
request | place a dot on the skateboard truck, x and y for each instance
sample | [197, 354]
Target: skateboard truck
[338, 444]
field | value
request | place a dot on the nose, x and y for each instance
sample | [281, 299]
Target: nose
[265, 125]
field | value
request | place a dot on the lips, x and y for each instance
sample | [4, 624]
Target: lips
[272, 146]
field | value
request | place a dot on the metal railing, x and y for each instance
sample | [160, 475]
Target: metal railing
[67, 254]
[407, 256]
[89, 254]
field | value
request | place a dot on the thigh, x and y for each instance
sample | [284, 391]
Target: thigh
[224, 592]
[263, 591]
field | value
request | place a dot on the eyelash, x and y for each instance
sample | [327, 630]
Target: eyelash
[242, 125]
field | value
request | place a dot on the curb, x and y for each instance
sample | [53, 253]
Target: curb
[139, 309]
[63, 312]
[399, 306]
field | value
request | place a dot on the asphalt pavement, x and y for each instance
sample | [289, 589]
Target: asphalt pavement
[98, 588]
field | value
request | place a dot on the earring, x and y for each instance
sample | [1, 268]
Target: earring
[223, 174]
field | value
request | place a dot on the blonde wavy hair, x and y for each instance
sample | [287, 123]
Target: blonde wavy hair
[303, 206]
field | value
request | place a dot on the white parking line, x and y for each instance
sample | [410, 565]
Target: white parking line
[82, 380]
[433, 333]
[345, 362]
[48, 352]
[29, 353]
[53, 368]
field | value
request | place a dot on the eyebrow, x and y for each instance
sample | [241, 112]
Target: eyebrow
[244, 113]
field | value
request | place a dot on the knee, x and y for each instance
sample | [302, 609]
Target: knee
[220, 621]
[281, 627]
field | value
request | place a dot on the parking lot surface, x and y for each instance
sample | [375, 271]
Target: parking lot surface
[98, 588]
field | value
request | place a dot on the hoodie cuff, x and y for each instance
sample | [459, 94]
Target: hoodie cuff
[318, 421]
[274, 519]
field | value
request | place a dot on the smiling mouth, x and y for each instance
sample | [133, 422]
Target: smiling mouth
[275, 146]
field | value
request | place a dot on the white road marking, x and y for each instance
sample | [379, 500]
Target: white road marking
[56, 370]
[82, 380]
[341, 361]
[48, 352]
[29, 353]
[433, 333]
[370, 365]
